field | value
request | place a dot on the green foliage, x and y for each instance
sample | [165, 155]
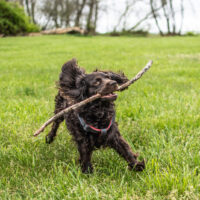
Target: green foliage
[190, 33]
[159, 116]
[13, 20]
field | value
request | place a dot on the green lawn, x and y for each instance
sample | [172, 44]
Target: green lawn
[159, 116]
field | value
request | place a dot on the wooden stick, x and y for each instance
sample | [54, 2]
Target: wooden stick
[90, 99]
[138, 76]
[66, 110]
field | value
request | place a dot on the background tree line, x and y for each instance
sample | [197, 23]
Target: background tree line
[50, 14]
[62, 13]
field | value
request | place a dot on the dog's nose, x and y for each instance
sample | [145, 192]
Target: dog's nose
[112, 83]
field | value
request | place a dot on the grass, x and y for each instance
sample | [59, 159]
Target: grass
[159, 116]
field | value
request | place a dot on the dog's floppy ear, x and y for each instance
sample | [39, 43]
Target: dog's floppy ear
[79, 92]
[71, 79]
[81, 87]
[69, 75]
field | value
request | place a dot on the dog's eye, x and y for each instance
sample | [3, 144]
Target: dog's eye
[97, 82]
[108, 77]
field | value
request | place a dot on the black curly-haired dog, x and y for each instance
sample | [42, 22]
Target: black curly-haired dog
[92, 125]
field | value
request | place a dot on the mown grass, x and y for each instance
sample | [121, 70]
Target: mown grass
[159, 116]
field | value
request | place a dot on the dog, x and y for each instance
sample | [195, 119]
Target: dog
[93, 125]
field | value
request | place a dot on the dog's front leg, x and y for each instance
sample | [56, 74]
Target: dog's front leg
[52, 133]
[59, 105]
[122, 147]
[85, 157]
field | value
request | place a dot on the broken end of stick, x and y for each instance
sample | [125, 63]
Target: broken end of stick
[138, 76]
[38, 132]
[149, 64]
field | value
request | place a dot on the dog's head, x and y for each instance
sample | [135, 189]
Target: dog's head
[78, 85]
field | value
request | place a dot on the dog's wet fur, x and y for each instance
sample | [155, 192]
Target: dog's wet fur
[75, 85]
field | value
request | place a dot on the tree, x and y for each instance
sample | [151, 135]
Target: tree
[80, 6]
[89, 26]
[85, 14]
[154, 13]
[124, 14]
[29, 7]
[130, 9]
[169, 14]
[13, 20]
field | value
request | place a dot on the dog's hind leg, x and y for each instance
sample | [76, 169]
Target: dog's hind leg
[122, 147]
[59, 105]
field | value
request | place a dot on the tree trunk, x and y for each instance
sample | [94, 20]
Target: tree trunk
[164, 3]
[79, 12]
[62, 13]
[67, 21]
[155, 17]
[21, 2]
[89, 19]
[55, 13]
[182, 16]
[173, 16]
[27, 8]
[96, 14]
[33, 11]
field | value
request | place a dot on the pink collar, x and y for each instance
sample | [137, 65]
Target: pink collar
[90, 128]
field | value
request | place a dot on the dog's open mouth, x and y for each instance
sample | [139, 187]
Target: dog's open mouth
[110, 97]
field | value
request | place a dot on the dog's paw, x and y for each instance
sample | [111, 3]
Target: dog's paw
[49, 139]
[88, 169]
[138, 166]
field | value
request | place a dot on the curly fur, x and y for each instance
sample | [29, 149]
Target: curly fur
[74, 86]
